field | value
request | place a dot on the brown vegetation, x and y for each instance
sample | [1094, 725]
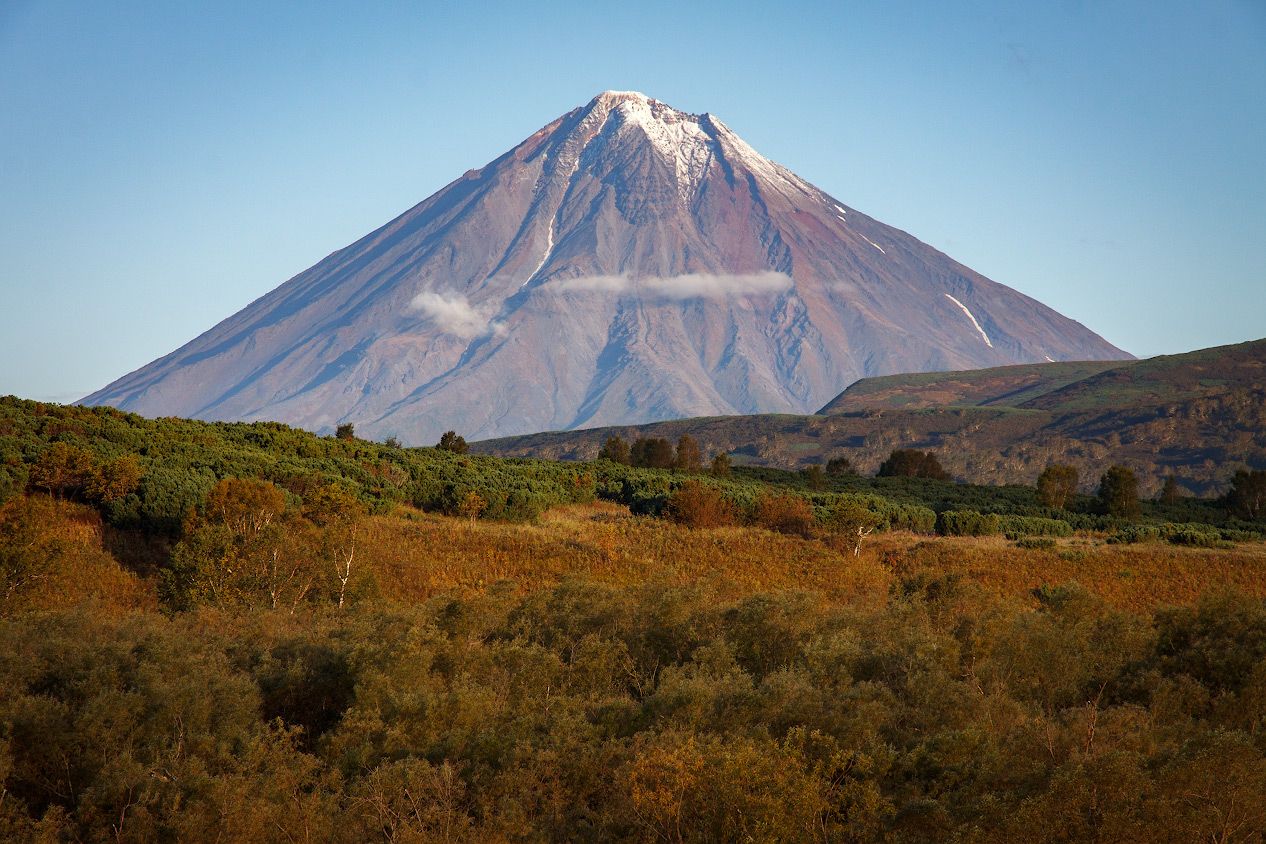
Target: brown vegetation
[599, 676]
[411, 556]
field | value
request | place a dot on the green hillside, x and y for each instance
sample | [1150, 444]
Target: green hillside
[1164, 380]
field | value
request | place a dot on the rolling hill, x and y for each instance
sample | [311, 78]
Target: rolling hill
[1198, 416]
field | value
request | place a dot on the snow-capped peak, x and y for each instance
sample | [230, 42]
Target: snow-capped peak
[620, 96]
[677, 137]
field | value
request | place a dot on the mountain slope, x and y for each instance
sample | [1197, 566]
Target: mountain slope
[628, 262]
[1067, 386]
[1199, 415]
[1004, 386]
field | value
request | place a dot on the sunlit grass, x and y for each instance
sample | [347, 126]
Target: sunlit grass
[414, 555]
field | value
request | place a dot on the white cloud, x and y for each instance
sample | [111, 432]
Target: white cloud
[718, 286]
[678, 287]
[456, 316]
[451, 312]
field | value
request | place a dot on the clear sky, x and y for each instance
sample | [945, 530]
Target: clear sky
[164, 164]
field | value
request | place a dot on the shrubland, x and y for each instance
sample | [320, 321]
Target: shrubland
[245, 632]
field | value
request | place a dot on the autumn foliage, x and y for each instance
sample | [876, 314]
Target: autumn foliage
[698, 506]
[344, 642]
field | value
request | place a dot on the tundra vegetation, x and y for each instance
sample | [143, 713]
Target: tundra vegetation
[244, 632]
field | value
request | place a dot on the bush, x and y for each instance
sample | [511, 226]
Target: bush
[911, 517]
[1134, 533]
[1036, 543]
[697, 506]
[1195, 536]
[784, 513]
[967, 523]
[1034, 526]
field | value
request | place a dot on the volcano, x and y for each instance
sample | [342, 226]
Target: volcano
[627, 263]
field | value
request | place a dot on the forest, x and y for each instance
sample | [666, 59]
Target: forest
[245, 632]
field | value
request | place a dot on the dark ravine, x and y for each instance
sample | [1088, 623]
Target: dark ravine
[626, 263]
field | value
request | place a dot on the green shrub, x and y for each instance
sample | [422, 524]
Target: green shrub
[1133, 534]
[1036, 542]
[1034, 526]
[967, 523]
[1195, 536]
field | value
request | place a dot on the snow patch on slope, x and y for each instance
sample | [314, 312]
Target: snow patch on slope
[691, 142]
[758, 164]
[549, 250]
[983, 335]
[675, 135]
[881, 250]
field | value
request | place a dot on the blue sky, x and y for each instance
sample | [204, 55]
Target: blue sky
[164, 164]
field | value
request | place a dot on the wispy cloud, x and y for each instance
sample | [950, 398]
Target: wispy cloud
[454, 314]
[678, 287]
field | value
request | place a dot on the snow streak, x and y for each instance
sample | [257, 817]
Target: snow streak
[983, 335]
[549, 250]
[882, 252]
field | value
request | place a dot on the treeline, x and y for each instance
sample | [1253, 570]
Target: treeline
[591, 713]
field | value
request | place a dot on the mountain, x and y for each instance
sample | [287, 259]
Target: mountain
[626, 263]
[1199, 415]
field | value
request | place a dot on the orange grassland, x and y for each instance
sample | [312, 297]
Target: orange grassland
[409, 556]
[413, 556]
